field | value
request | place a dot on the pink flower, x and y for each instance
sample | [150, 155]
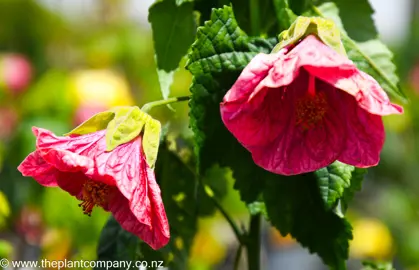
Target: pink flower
[16, 72]
[300, 110]
[119, 181]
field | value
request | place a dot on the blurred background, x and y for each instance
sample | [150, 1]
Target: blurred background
[61, 61]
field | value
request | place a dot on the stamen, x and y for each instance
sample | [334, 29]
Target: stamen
[94, 193]
[310, 110]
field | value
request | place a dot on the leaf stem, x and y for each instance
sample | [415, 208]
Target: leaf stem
[148, 106]
[233, 225]
[254, 17]
[254, 243]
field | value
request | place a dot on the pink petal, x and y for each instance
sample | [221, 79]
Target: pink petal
[365, 136]
[245, 110]
[326, 64]
[122, 166]
[85, 144]
[298, 150]
[67, 161]
[72, 182]
[35, 166]
[156, 234]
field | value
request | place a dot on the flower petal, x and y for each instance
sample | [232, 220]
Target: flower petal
[156, 234]
[72, 182]
[35, 166]
[298, 150]
[255, 118]
[84, 144]
[365, 136]
[67, 161]
[121, 166]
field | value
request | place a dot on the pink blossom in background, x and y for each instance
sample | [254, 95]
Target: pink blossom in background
[15, 72]
[301, 109]
[119, 181]
[8, 122]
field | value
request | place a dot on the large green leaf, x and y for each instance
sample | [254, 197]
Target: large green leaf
[295, 206]
[173, 26]
[370, 56]
[357, 177]
[216, 59]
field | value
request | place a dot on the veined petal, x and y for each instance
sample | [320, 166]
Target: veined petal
[365, 136]
[67, 161]
[35, 166]
[156, 234]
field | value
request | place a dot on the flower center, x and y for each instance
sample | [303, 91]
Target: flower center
[94, 193]
[311, 108]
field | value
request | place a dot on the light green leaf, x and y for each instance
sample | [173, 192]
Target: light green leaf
[325, 29]
[371, 56]
[258, 207]
[332, 181]
[370, 265]
[126, 125]
[151, 140]
[173, 27]
[97, 122]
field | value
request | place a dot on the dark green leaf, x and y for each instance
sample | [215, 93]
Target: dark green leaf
[217, 57]
[173, 26]
[284, 14]
[371, 56]
[332, 181]
[357, 177]
[116, 244]
[295, 206]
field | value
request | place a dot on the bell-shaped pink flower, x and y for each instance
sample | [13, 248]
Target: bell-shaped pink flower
[300, 110]
[119, 181]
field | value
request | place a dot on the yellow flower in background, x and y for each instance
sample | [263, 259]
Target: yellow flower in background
[56, 245]
[4, 210]
[206, 249]
[103, 88]
[372, 239]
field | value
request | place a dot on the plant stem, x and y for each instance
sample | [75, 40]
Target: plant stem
[254, 17]
[254, 243]
[238, 257]
[230, 221]
[148, 106]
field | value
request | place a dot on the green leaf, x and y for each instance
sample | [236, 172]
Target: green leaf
[284, 14]
[371, 56]
[295, 206]
[116, 244]
[216, 59]
[151, 140]
[126, 125]
[97, 122]
[325, 29]
[332, 181]
[173, 26]
[357, 177]
[361, 29]
[258, 207]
